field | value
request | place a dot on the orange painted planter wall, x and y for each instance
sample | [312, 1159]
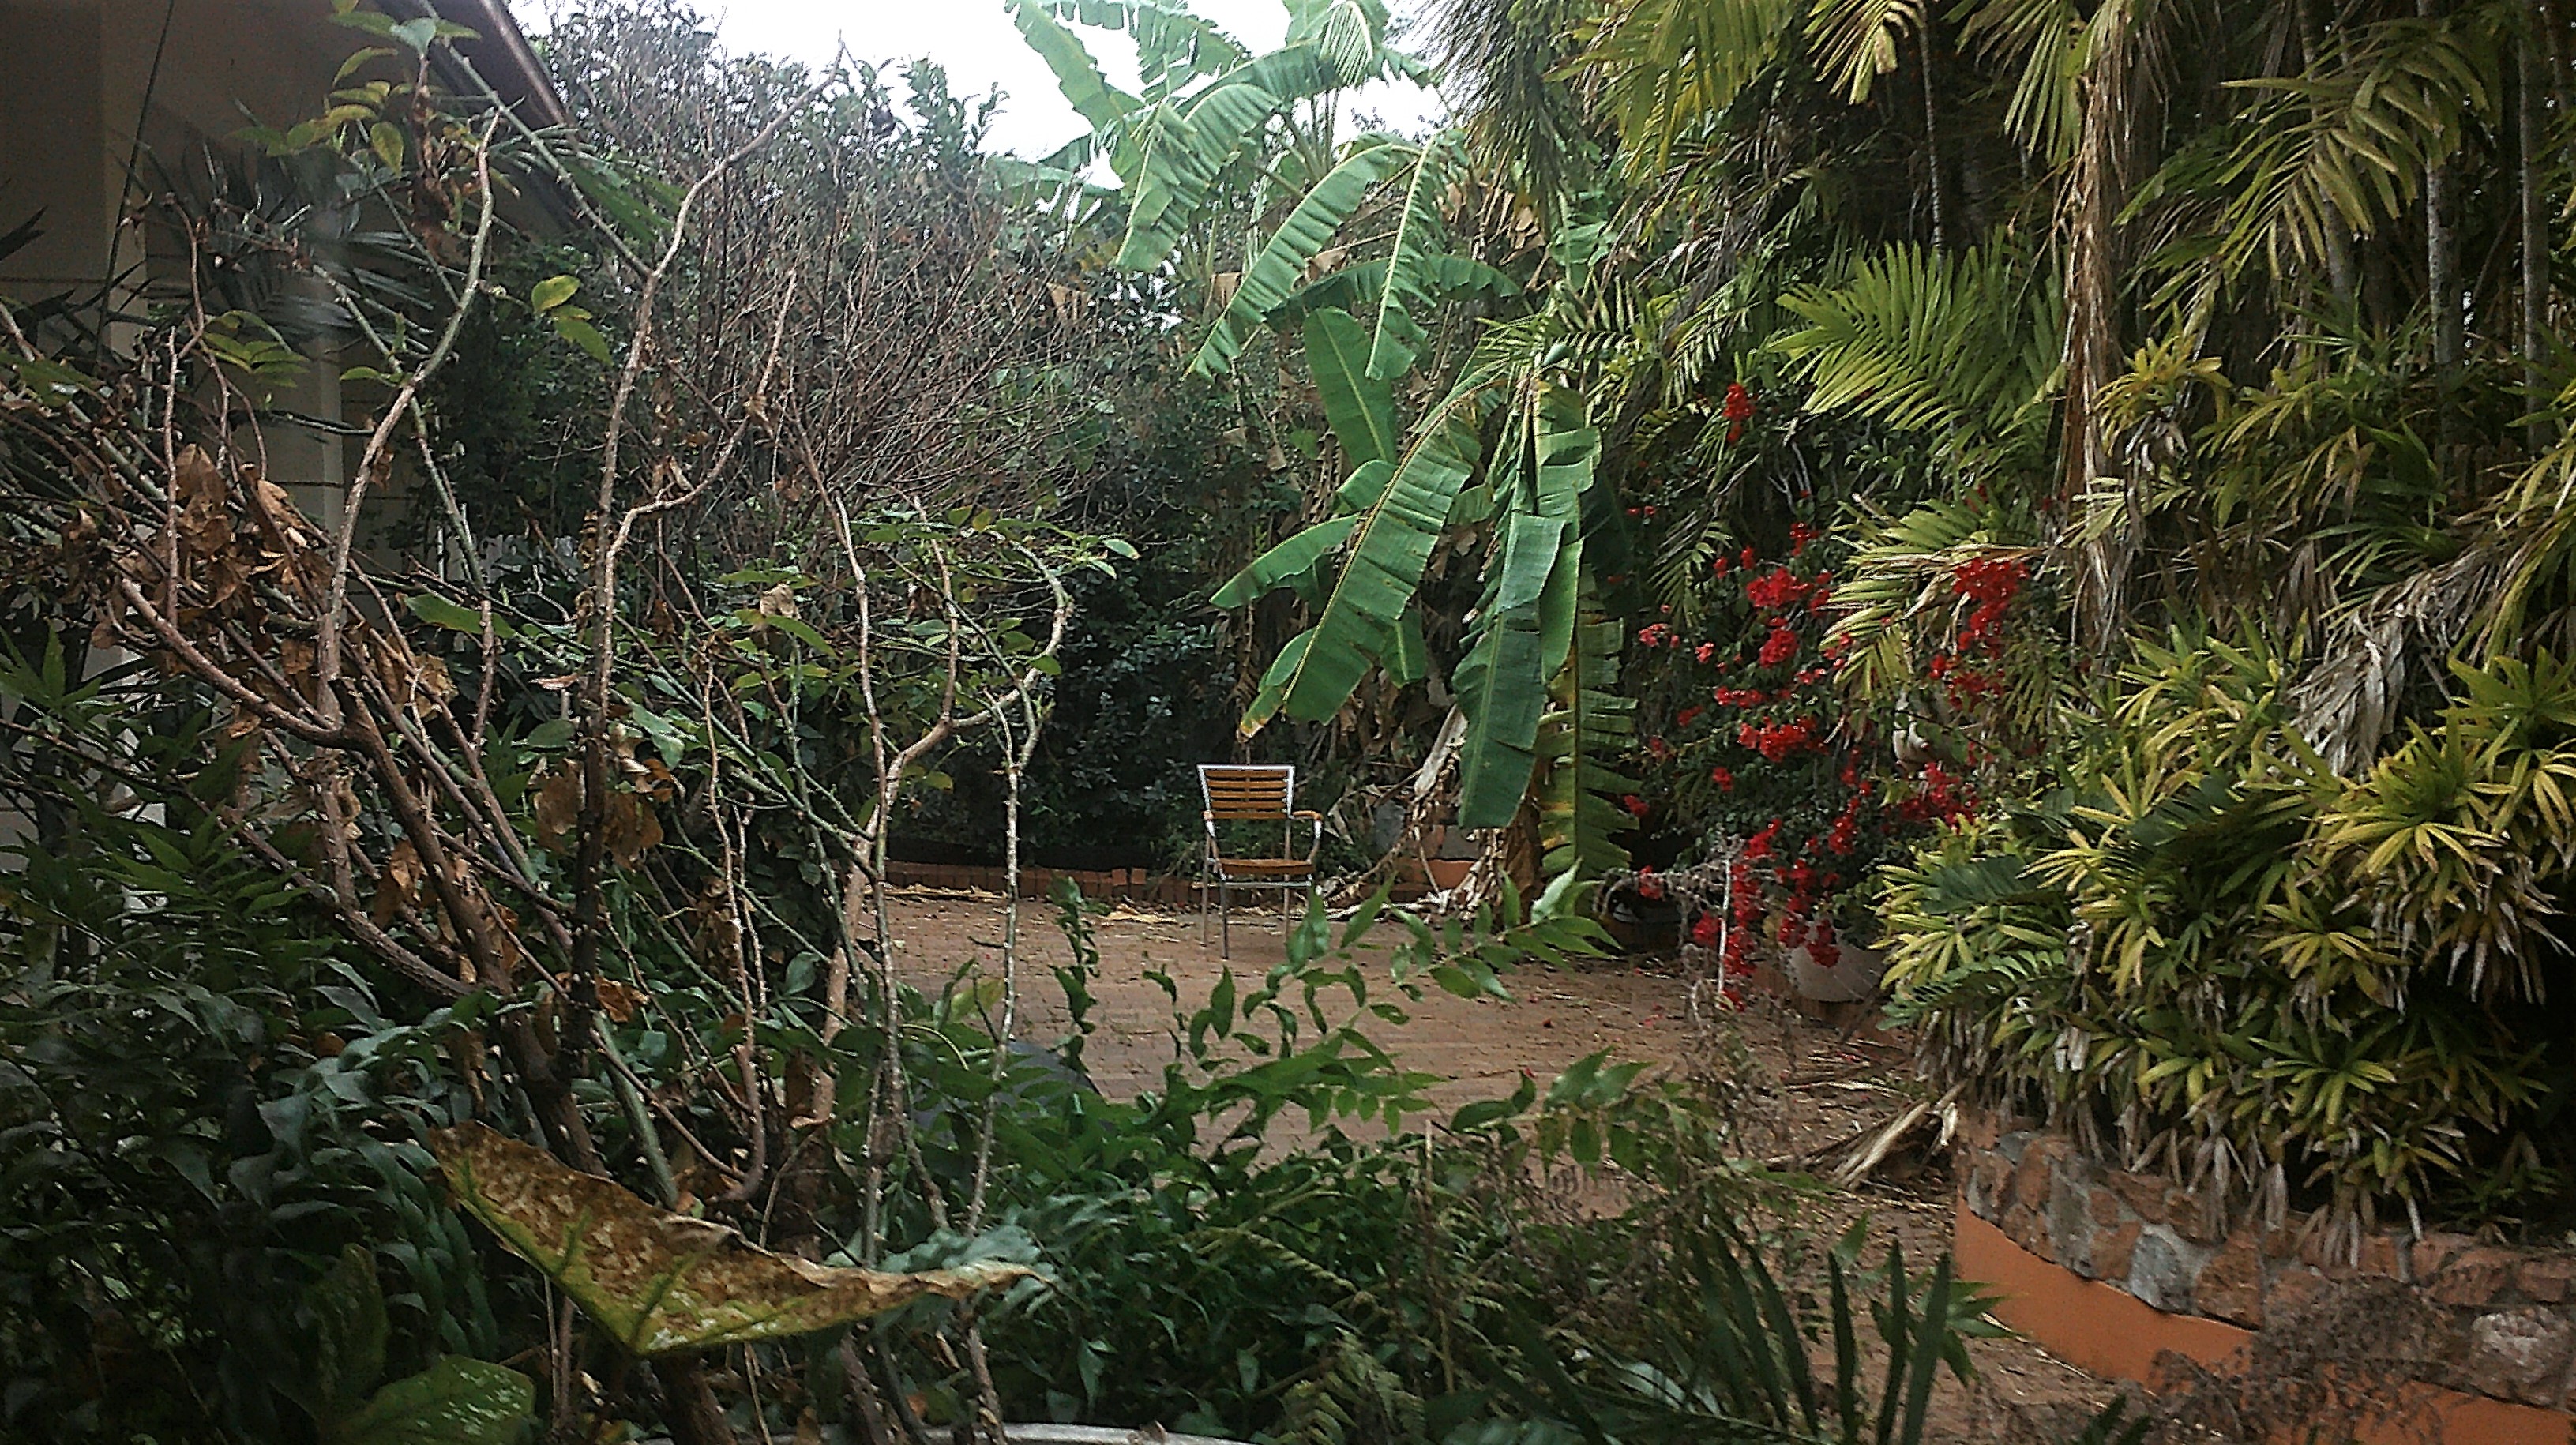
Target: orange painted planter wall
[2112, 1332]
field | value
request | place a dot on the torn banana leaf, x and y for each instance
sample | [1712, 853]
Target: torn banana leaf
[658, 1281]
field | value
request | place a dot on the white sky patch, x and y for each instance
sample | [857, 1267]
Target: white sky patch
[982, 50]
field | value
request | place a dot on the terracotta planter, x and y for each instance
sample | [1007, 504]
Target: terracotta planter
[1853, 977]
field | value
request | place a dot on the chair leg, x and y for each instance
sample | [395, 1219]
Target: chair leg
[1224, 918]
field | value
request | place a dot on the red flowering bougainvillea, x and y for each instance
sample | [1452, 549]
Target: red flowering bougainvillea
[1759, 745]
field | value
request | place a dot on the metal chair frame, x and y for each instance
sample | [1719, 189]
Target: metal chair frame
[1263, 793]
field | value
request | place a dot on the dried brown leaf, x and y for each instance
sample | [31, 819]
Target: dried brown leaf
[658, 1281]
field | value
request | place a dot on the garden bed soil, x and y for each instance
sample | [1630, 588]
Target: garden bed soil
[1828, 1083]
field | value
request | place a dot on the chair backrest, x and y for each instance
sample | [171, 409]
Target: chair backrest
[1235, 791]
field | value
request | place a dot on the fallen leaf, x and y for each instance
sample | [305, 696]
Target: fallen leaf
[658, 1281]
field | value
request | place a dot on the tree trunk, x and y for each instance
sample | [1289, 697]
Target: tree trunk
[2535, 240]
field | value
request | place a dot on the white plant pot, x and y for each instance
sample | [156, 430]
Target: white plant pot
[1854, 975]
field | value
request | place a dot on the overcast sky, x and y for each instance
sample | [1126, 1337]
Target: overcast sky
[980, 47]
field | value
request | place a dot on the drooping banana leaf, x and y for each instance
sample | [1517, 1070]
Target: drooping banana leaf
[1411, 288]
[1527, 619]
[1173, 45]
[1502, 683]
[1274, 683]
[1388, 552]
[1185, 143]
[1183, 146]
[1275, 273]
[1285, 563]
[1359, 407]
[658, 1281]
[1357, 286]
[1076, 73]
[1577, 788]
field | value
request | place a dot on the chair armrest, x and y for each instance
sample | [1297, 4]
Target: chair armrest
[1315, 840]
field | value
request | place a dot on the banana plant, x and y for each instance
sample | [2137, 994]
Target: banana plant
[1361, 309]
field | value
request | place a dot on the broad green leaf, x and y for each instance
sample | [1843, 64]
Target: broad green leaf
[1274, 683]
[1407, 659]
[1281, 565]
[1360, 407]
[552, 292]
[1387, 556]
[1275, 274]
[1183, 146]
[658, 1281]
[348, 1356]
[1076, 73]
[1502, 684]
[1357, 286]
[1411, 288]
[1345, 32]
[454, 1402]
[437, 611]
[1576, 789]
[581, 333]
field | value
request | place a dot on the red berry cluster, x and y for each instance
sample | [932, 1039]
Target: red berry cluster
[1739, 410]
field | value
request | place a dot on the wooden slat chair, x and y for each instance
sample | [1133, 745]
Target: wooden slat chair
[1239, 794]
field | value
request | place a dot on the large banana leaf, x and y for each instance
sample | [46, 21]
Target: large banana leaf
[1388, 552]
[658, 1281]
[1576, 789]
[1411, 287]
[1285, 563]
[1076, 73]
[1274, 683]
[1173, 45]
[1502, 683]
[1276, 272]
[1183, 146]
[1356, 287]
[1526, 622]
[1360, 408]
[1345, 32]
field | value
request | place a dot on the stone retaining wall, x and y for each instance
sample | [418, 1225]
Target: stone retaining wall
[2508, 1314]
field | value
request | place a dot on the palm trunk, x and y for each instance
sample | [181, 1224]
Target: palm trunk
[2091, 217]
[2441, 253]
[1932, 138]
[2535, 240]
[2340, 272]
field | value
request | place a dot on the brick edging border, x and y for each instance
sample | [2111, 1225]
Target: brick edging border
[2146, 1249]
[2113, 1333]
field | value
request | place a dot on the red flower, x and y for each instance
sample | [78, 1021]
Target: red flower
[1779, 647]
[1718, 564]
[1739, 409]
[1725, 780]
[1707, 651]
[1637, 807]
[1686, 716]
[1705, 931]
[1775, 590]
